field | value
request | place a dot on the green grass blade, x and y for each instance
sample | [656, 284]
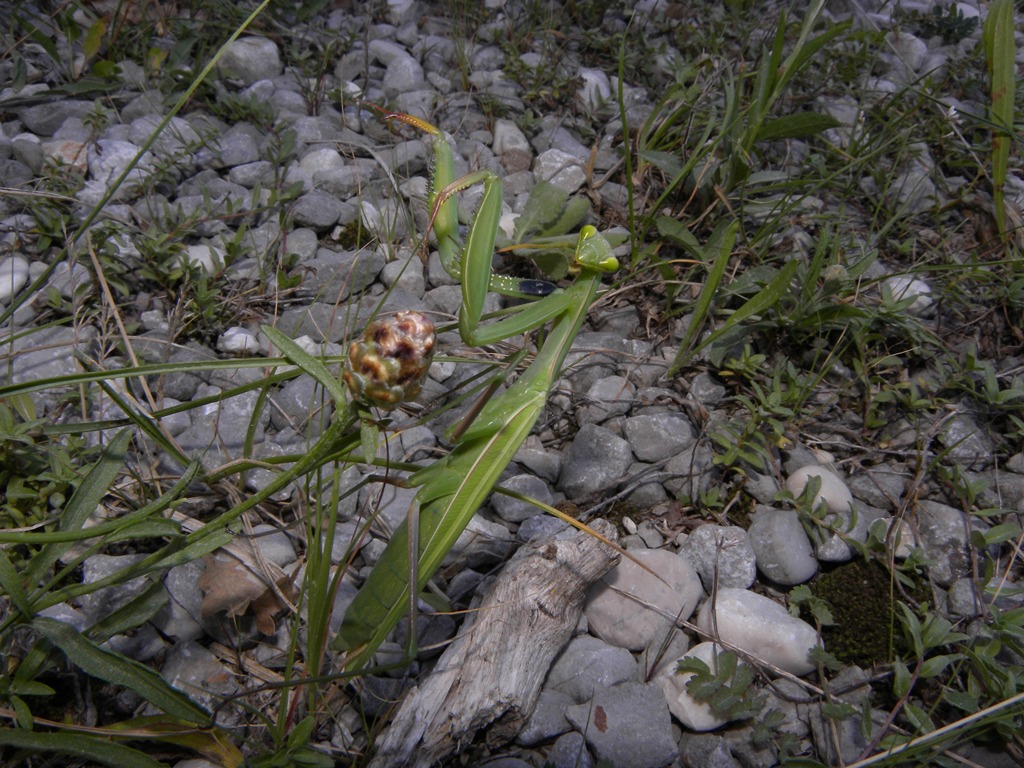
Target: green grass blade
[11, 583]
[79, 745]
[307, 363]
[82, 504]
[116, 669]
[1000, 53]
[112, 526]
[707, 294]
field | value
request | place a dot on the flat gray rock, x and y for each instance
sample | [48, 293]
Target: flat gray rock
[631, 607]
[596, 458]
[588, 665]
[784, 552]
[627, 725]
[722, 552]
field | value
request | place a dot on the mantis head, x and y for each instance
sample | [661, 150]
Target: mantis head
[593, 252]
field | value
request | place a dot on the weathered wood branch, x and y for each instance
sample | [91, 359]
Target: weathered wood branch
[491, 675]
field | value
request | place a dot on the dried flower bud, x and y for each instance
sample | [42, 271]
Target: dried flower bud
[389, 365]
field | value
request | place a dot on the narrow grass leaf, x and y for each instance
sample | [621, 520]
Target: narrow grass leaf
[307, 363]
[133, 614]
[212, 743]
[1000, 53]
[10, 581]
[707, 295]
[82, 504]
[800, 125]
[116, 669]
[120, 524]
[80, 746]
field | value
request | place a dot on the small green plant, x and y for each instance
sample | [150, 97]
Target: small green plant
[725, 686]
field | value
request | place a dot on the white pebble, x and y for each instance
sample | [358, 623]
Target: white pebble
[904, 287]
[695, 715]
[760, 627]
[13, 276]
[238, 341]
[833, 491]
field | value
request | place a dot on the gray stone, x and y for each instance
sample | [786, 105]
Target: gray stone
[13, 276]
[248, 175]
[722, 552]
[335, 276]
[706, 389]
[628, 726]
[561, 169]
[658, 436]
[631, 607]
[784, 552]
[569, 751]
[508, 137]
[759, 626]
[200, 675]
[966, 442]
[547, 719]
[944, 534]
[302, 405]
[176, 141]
[273, 544]
[483, 542]
[317, 209]
[544, 463]
[705, 750]
[180, 619]
[103, 602]
[540, 527]
[596, 458]
[44, 119]
[237, 147]
[588, 665]
[607, 397]
[691, 472]
[514, 510]
[43, 354]
[882, 486]
[406, 273]
[250, 59]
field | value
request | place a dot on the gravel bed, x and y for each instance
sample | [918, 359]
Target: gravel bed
[286, 206]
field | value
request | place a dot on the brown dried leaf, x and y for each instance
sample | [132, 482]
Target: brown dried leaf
[228, 585]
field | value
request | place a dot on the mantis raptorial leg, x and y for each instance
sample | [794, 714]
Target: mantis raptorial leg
[453, 488]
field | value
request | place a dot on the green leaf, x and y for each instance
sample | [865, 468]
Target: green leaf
[82, 505]
[93, 40]
[838, 710]
[307, 363]
[796, 126]
[962, 700]
[666, 162]
[679, 233]
[997, 534]
[11, 582]
[766, 298]
[900, 679]
[369, 437]
[116, 669]
[936, 665]
[134, 613]
[78, 745]
[707, 295]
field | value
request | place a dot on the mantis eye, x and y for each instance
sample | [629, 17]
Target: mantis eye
[594, 252]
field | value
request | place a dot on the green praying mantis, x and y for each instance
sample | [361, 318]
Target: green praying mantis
[452, 489]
